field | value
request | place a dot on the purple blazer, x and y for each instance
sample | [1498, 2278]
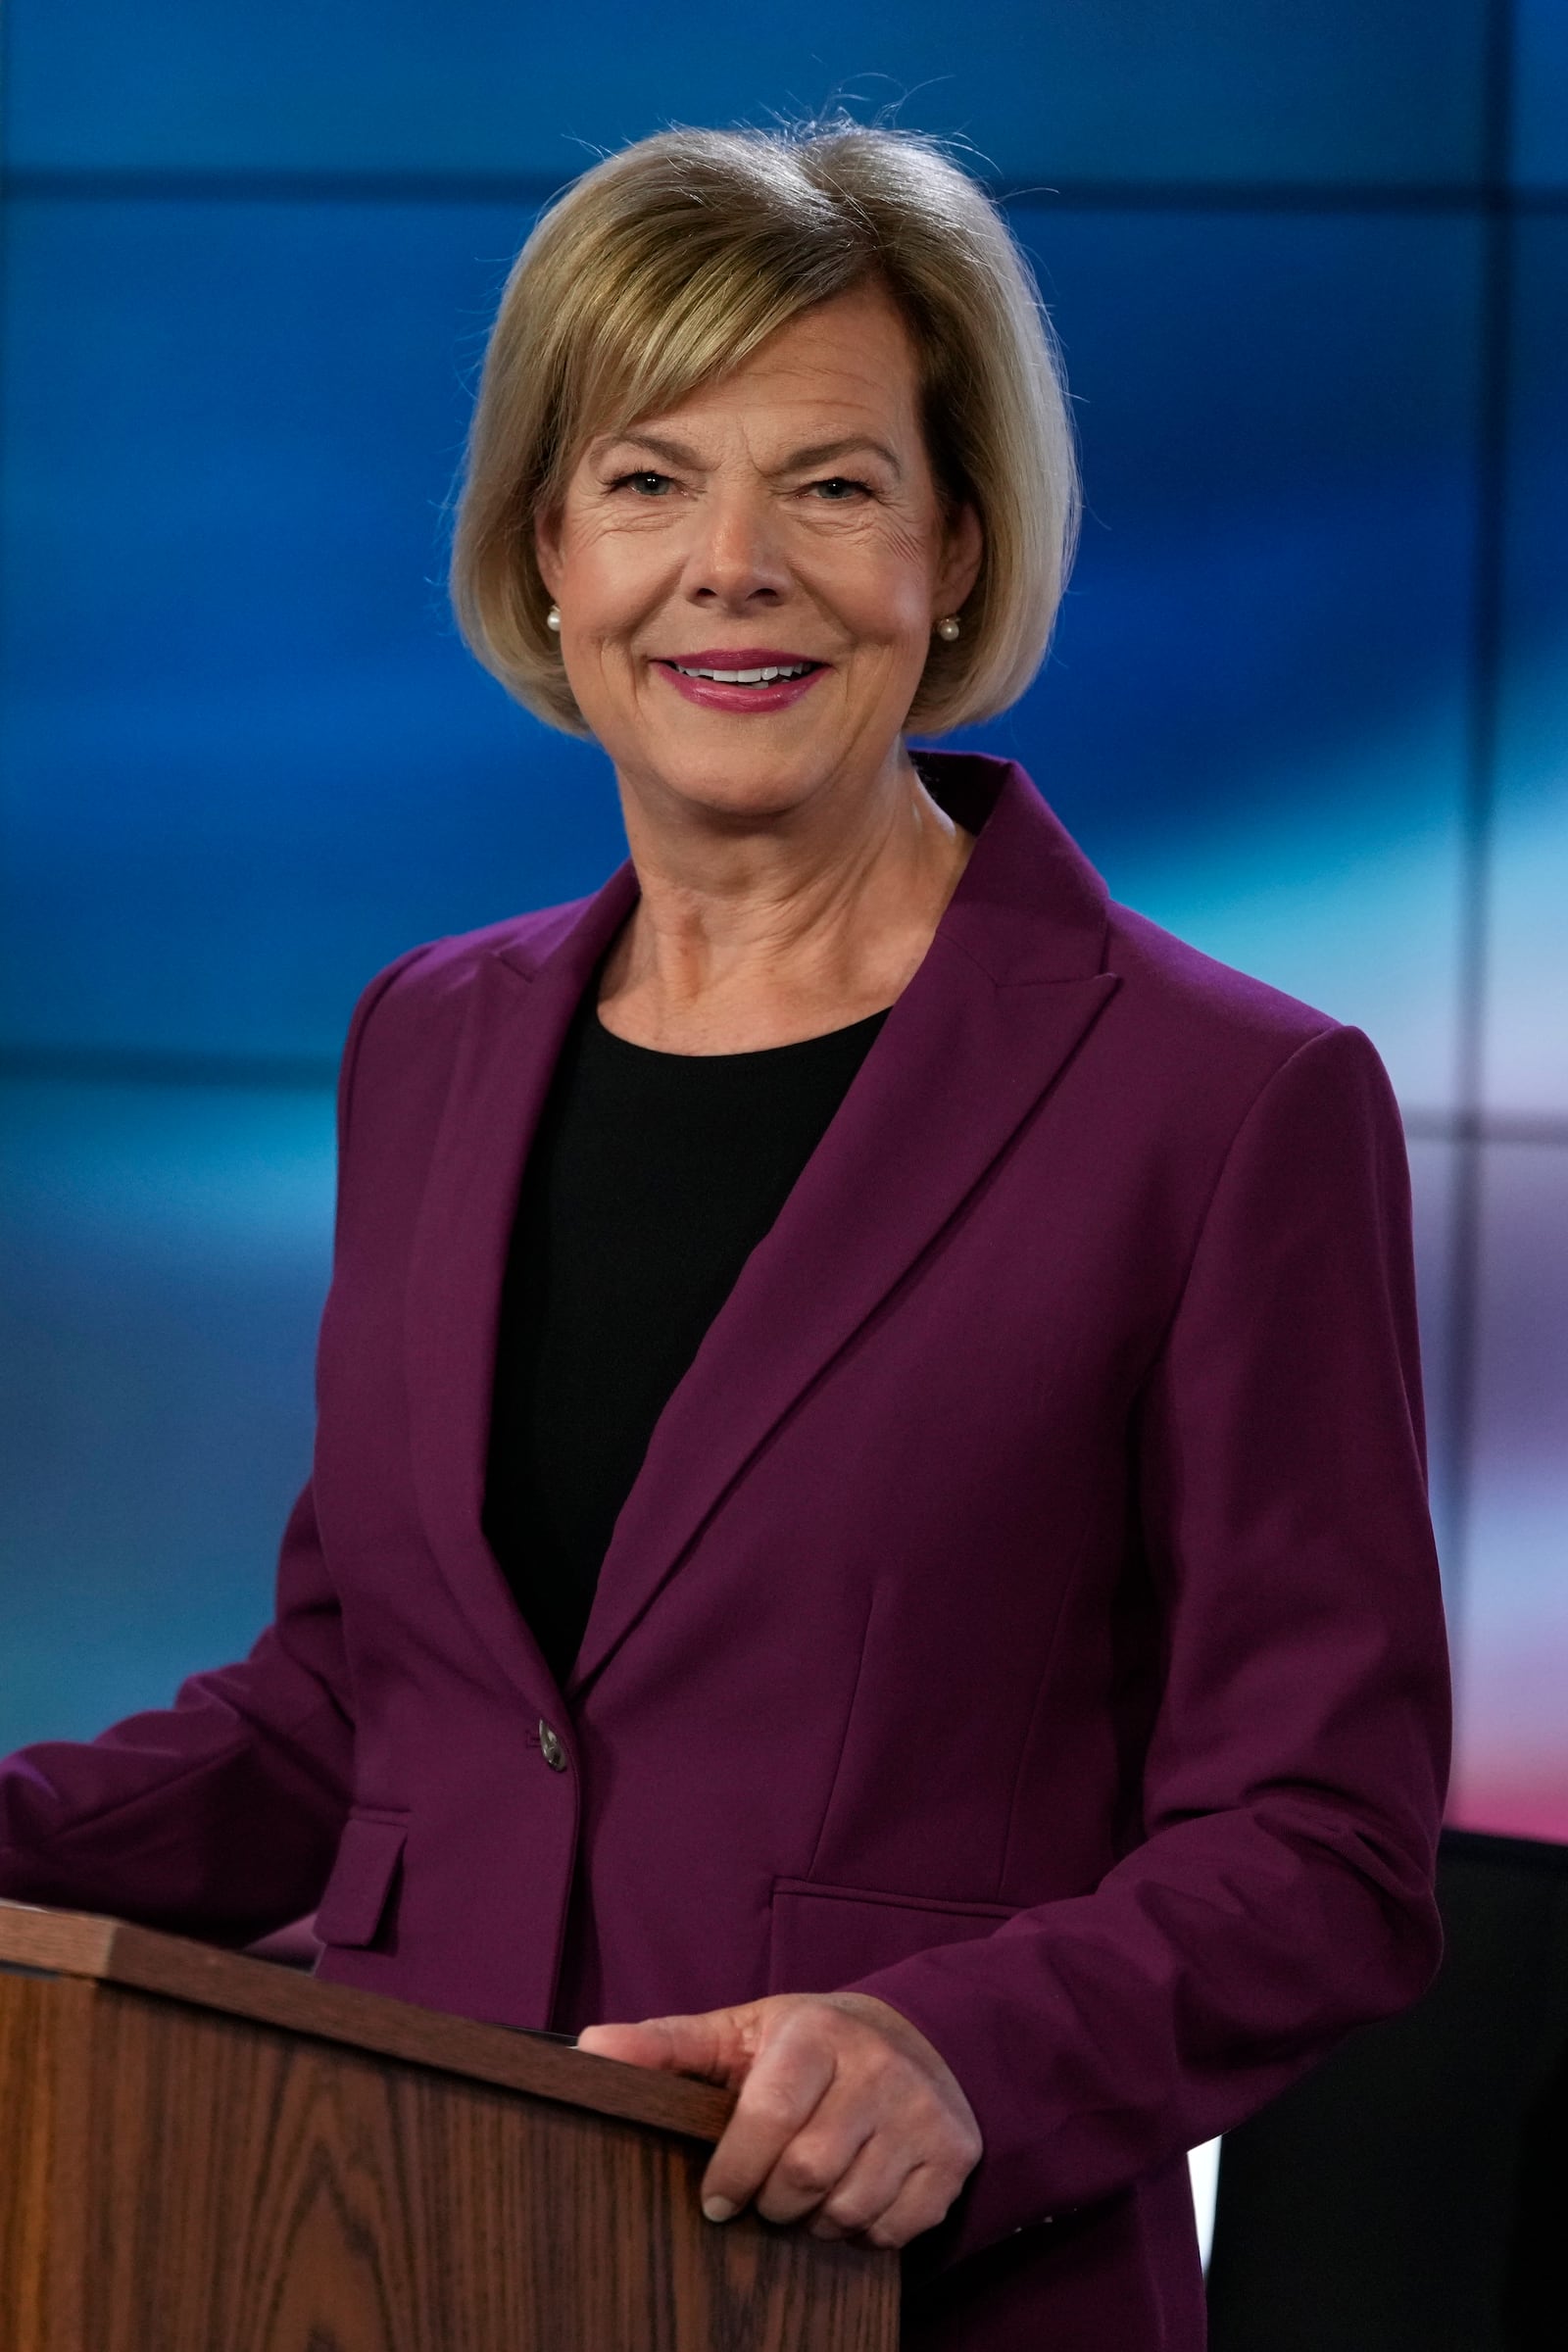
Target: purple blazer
[1026, 1611]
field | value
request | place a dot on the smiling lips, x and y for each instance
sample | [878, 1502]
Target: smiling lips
[742, 677]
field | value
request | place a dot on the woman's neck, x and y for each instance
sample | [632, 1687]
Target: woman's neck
[738, 943]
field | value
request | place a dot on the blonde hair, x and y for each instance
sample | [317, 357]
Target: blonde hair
[665, 266]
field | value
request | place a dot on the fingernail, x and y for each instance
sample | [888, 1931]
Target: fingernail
[718, 2209]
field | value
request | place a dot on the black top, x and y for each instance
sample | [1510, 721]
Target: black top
[650, 1179]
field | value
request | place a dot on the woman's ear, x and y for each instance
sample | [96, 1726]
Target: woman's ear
[547, 547]
[963, 550]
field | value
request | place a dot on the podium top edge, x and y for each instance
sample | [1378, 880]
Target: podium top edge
[115, 1952]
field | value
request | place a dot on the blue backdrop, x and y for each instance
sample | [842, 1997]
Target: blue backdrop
[1307, 703]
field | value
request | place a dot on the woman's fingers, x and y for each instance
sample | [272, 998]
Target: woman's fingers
[844, 2110]
[719, 2045]
[814, 2165]
[793, 2068]
[919, 2205]
[864, 2192]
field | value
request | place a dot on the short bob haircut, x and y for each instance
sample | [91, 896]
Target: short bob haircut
[665, 266]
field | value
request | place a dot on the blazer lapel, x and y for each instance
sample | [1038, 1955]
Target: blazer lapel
[1009, 988]
[520, 1003]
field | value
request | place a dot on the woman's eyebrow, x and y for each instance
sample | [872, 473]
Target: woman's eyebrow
[677, 451]
[819, 453]
[823, 452]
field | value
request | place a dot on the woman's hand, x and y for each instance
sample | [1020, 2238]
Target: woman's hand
[845, 2112]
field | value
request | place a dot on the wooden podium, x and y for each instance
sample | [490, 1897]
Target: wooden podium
[205, 2153]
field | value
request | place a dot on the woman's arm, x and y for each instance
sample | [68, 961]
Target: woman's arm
[217, 1816]
[1294, 1779]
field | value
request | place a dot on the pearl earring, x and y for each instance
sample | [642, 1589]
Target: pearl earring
[553, 619]
[948, 629]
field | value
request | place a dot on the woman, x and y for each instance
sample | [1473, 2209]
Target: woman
[869, 1532]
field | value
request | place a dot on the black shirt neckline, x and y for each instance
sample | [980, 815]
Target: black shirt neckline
[851, 1032]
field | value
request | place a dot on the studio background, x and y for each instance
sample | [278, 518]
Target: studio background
[1307, 703]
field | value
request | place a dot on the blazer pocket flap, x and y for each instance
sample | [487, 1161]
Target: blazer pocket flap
[823, 1937]
[356, 1898]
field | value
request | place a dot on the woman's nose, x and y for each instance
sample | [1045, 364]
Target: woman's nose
[737, 555]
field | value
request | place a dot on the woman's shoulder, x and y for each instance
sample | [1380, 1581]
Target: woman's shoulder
[414, 1007]
[1201, 1017]
[1174, 985]
[1209, 1052]
[438, 971]
[442, 967]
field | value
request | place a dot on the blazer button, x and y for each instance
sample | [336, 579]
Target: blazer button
[550, 1747]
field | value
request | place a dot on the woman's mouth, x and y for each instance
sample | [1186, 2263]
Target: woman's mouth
[744, 679]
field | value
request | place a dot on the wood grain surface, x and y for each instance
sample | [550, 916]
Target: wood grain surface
[178, 2173]
[28, 2055]
[75, 1943]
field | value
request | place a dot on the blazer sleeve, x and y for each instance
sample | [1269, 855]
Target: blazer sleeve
[1293, 1782]
[217, 1816]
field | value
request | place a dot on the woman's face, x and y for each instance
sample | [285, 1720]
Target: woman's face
[786, 515]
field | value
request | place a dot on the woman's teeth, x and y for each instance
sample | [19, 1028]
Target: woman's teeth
[745, 677]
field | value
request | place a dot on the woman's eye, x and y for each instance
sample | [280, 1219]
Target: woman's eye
[648, 486]
[836, 483]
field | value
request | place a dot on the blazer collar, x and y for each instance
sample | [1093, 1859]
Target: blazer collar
[1013, 979]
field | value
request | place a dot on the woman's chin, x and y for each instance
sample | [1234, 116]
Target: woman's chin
[738, 779]
[743, 802]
